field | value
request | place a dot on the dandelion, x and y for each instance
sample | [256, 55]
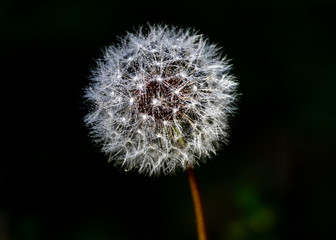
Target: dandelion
[161, 100]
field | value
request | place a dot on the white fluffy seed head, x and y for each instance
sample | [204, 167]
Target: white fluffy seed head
[161, 100]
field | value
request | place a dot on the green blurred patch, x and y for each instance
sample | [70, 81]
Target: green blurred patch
[96, 228]
[247, 199]
[255, 220]
[261, 220]
[238, 230]
[29, 228]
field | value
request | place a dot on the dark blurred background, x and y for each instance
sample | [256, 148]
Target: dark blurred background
[275, 180]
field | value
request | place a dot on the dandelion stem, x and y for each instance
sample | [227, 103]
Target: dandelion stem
[197, 204]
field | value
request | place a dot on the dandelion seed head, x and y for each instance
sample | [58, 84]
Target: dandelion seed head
[162, 99]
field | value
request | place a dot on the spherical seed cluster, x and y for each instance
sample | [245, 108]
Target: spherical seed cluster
[161, 100]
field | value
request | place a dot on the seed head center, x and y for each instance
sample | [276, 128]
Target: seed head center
[161, 98]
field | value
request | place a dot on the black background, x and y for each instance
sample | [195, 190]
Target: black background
[275, 180]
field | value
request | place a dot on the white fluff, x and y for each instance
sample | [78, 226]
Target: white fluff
[161, 100]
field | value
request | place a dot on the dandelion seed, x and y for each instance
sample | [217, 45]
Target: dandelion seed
[176, 81]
